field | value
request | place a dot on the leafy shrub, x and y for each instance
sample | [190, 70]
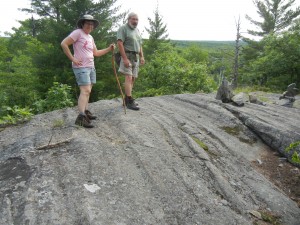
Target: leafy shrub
[272, 62]
[168, 72]
[15, 115]
[295, 158]
[58, 97]
[295, 155]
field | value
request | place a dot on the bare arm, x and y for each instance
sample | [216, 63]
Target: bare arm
[65, 46]
[123, 54]
[104, 51]
[142, 60]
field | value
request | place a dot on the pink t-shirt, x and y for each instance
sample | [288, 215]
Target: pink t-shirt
[83, 47]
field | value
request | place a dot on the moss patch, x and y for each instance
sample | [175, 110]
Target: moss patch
[58, 123]
[270, 218]
[295, 156]
[200, 143]
[232, 130]
[235, 131]
[292, 146]
[267, 217]
[263, 99]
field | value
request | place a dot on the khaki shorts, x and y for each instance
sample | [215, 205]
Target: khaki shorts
[131, 70]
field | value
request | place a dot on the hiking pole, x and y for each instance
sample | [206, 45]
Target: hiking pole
[116, 75]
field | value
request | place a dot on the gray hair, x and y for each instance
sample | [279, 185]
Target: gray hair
[131, 15]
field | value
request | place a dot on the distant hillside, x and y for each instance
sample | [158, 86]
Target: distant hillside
[205, 44]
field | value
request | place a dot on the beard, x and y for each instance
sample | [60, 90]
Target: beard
[132, 26]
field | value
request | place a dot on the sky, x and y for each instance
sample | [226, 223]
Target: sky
[185, 19]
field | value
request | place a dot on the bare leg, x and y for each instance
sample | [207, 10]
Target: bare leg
[86, 107]
[129, 101]
[84, 96]
[128, 85]
[132, 83]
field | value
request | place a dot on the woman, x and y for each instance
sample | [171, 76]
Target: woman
[83, 64]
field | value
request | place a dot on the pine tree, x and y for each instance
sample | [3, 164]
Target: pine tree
[51, 22]
[56, 18]
[276, 15]
[157, 32]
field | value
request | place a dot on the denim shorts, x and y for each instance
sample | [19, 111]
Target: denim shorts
[85, 76]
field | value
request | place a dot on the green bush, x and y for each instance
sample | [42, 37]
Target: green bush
[295, 158]
[15, 115]
[58, 97]
[168, 72]
[292, 147]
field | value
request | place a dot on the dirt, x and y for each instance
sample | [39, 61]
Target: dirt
[275, 167]
[281, 173]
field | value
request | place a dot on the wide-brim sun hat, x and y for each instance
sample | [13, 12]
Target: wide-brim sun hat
[88, 18]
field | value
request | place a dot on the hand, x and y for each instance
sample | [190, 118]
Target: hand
[77, 62]
[127, 63]
[112, 46]
[142, 61]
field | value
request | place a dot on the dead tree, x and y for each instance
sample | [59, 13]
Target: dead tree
[234, 82]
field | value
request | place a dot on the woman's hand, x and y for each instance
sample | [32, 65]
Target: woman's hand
[77, 62]
[112, 46]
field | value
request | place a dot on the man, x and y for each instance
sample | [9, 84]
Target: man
[83, 64]
[130, 46]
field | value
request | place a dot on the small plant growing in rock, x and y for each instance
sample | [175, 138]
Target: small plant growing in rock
[270, 218]
[295, 155]
[200, 143]
[58, 123]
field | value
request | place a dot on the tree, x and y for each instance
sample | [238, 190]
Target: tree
[276, 66]
[295, 25]
[236, 55]
[5, 55]
[169, 72]
[194, 53]
[157, 32]
[51, 22]
[59, 17]
[277, 15]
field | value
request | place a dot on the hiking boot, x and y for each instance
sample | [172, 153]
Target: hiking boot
[132, 105]
[83, 120]
[126, 100]
[135, 102]
[90, 115]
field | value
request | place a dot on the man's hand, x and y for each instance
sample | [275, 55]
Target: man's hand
[127, 63]
[142, 60]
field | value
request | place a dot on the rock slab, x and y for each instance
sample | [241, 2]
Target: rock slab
[181, 159]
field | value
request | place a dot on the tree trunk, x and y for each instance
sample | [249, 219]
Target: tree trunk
[236, 56]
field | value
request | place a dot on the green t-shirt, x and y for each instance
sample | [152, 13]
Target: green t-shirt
[131, 38]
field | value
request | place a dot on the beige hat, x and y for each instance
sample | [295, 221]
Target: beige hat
[89, 18]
